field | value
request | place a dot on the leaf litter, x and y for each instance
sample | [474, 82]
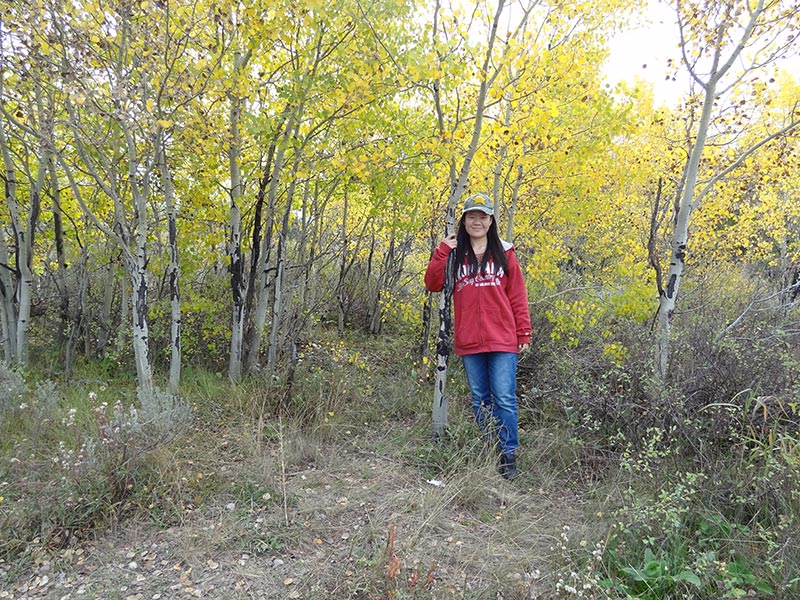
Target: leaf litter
[341, 508]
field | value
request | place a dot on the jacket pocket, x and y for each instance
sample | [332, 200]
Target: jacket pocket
[499, 327]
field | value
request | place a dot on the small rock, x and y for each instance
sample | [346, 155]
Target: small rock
[277, 562]
[230, 506]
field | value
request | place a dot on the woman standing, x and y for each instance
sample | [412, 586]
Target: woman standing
[492, 320]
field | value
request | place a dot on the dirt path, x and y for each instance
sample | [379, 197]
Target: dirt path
[472, 535]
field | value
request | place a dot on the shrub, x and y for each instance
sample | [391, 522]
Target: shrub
[73, 473]
[12, 388]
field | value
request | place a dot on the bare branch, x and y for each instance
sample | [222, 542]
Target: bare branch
[746, 311]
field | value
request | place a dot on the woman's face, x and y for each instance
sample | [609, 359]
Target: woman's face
[477, 224]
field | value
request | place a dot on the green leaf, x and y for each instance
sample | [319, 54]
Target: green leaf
[635, 573]
[765, 588]
[688, 577]
[740, 569]
[653, 569]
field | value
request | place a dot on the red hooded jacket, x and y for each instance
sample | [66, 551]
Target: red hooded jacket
[491, 310]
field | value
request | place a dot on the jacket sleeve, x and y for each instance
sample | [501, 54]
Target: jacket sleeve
[518, 296]
[434, 274]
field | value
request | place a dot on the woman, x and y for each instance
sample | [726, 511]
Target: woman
[492, 320]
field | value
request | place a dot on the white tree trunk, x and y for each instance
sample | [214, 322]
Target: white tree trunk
[24, 314]
[23, 233]
[280, 277]
[8, 314]
[173, 273]
[238, 281]
[263, 280]
[141, 333]
[138, 267]
[459, 184]
[690, 197]
[237, 288]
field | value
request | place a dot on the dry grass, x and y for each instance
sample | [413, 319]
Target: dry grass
[272, 508]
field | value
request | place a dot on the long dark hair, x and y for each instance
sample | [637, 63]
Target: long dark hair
[464, 252]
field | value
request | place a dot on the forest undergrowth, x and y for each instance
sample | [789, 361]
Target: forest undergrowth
[330, 486]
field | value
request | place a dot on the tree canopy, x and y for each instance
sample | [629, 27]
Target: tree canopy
[208, 182]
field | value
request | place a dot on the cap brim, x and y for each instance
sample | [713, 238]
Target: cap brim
[488, 211]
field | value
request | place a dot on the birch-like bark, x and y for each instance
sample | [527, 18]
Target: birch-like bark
[173, 270]
[138, 275]
[278, 301]
[237, 289]
[238, 281]
[23, 251]
[8, 314]
[459, 184]
[61, 257]
[263, 280]
[293, 118]
[135, 261]
[340, 287]
[690, 197]
[48, 150]
[262, 226]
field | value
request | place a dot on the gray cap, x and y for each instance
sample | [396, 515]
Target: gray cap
[480, 202]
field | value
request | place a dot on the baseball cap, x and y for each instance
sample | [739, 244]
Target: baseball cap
[480, 202]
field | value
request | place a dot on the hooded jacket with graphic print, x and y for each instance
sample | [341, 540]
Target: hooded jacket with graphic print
[491, 309]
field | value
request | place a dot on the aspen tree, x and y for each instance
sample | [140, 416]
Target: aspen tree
[722, 43]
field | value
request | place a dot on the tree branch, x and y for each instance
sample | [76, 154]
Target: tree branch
[742, 157]
[747, 310]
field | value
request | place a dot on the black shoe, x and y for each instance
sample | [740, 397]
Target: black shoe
[508, 467]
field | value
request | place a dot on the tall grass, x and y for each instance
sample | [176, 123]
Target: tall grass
[619, 496]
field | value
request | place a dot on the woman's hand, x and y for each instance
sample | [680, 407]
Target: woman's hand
[450, 240]
[523, 347]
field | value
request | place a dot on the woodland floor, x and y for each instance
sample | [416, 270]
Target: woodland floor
[469, 534]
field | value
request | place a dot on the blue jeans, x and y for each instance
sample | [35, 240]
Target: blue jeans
[492, 378]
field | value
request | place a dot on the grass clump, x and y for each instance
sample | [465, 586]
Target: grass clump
[331, 470]
[67, 469]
